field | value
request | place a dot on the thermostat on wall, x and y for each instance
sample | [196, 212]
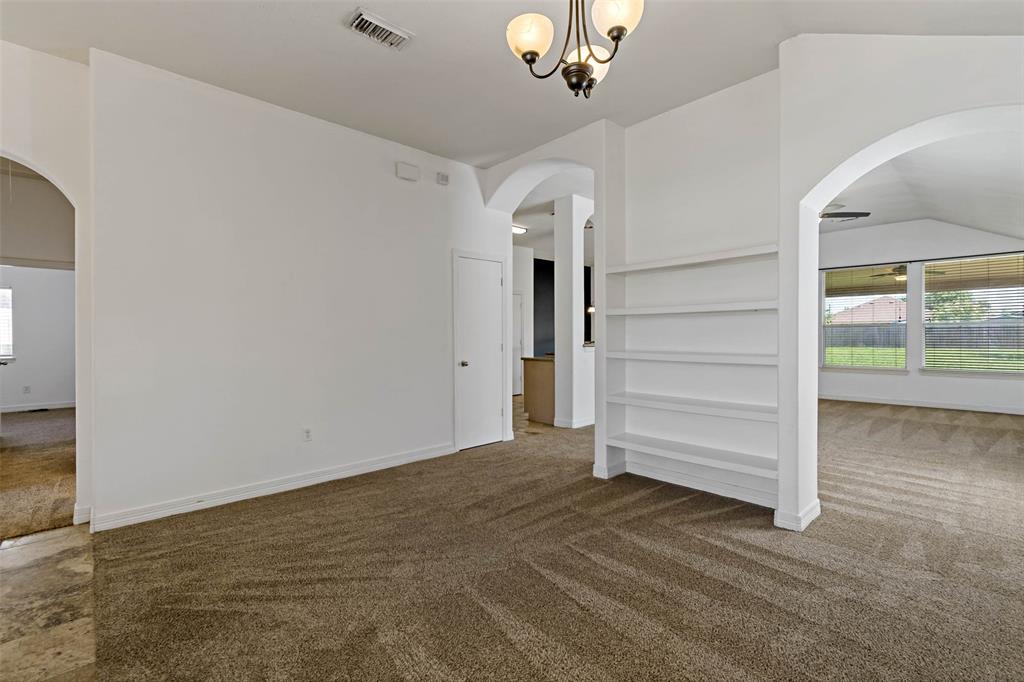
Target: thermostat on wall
[407, 171]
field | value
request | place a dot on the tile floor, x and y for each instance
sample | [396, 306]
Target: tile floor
[46, 607]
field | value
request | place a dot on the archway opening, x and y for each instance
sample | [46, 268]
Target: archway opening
[554, 295]
[37, 353]
[896, 352]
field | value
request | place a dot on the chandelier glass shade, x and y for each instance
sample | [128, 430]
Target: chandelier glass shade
[530, 33]
[530, 36]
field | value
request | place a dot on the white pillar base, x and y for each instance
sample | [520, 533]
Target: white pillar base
[798, 522]
[81, 515]
[609, 471]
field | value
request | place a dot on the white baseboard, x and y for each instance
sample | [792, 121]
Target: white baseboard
[798, 522]
[610, 471]
[574, 423]
[82, 515]
[127, 517]
[36, 406]
[690, 480]
[925, 403]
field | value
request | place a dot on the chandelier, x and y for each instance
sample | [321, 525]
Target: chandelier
[530, 36]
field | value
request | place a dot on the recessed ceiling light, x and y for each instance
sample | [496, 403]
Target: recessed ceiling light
[519, 229]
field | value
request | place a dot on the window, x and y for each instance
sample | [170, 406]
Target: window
[6, 322]
[974, 314]
[865, 317]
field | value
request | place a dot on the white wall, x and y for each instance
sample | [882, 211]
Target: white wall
[45, 125]
[908, 241]
[44, 339]
[522, 283]
[37, 224]
[259, 272]
[704, 177]
[574, 365]
[917, 240]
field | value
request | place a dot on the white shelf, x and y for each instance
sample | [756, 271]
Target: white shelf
[696, 358]
[724, 307]
[717, 408]
[741, 462]
[697, 259]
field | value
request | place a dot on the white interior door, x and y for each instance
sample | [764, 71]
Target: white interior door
[479, 372]
[517, 344]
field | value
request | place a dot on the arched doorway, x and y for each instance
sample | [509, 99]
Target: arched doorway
[799, 465]
[553, 277]
[37, 353]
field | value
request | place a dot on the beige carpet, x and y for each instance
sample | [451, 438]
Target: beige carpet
[511, 562]
[37, 471]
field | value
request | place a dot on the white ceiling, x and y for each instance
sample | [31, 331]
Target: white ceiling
[456, 90]
[976, 181]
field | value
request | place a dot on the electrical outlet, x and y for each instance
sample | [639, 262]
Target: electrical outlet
[307, 435]
[26, 389]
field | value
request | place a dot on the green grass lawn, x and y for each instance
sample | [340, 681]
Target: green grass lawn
[1003, 359]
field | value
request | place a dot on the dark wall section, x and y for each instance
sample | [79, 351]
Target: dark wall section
[544, 306]
[588, 298]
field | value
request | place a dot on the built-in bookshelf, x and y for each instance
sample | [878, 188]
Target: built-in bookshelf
[696, 424]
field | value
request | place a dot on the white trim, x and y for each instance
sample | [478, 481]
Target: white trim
[126, 517]
[924, 403]
[694, 357]
[573, 423]
[36, 406]
[682, 453]
[506, 366]
[716, 408]
[707, 485]
[971, 373]
[38, 263]
[696, 259]
[610, 471]
[82, 514]
[696, 308]
[865, 370]
[798, 522]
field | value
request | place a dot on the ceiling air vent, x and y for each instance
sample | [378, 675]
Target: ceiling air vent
[379, 30]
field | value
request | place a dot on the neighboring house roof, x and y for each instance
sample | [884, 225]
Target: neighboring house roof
[881, 309]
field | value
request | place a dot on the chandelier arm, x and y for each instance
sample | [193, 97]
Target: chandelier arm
[586, 36]
[565, 47]
[579, 43]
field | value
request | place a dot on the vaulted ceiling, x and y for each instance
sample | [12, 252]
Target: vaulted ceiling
[976, 181]
[456, 90]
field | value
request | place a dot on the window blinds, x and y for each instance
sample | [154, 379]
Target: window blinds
[865, 317]
[974, 314]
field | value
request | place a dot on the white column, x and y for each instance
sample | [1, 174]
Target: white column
[573, 408]
[609, 247]
[915, 317]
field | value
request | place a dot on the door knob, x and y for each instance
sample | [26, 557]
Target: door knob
[464, 363]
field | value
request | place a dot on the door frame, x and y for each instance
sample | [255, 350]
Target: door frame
[521, 339]
[505, 367]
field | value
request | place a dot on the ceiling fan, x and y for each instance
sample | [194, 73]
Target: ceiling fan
[843, 216]
[900, 271]
[832, 212]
